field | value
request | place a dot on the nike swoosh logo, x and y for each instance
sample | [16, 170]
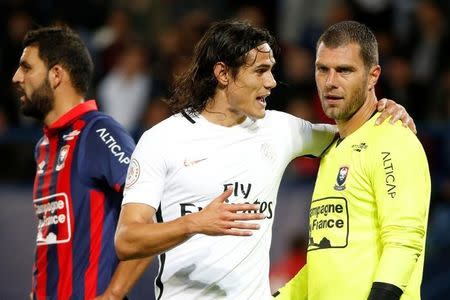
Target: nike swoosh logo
[189, 163]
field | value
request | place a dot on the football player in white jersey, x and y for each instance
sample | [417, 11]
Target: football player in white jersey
[220, 141]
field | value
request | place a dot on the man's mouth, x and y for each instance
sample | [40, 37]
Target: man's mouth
[333, 97]
[262, 100]
[20, 94]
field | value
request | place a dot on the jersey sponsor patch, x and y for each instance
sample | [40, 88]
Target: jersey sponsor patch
[388, 166]
[113, 145]
[328, 223]
[134, 170]
[51, 211]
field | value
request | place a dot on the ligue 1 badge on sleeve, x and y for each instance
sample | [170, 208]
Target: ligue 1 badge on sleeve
[341, 178]
[134, 170]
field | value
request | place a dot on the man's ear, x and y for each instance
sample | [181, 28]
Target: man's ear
[221, 73]
[56, 75]
[374, 74]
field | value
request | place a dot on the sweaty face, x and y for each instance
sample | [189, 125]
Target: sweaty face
[342, 80]
[247, 91]
[33, 86]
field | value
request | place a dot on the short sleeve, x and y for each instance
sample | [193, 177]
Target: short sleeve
[147, 172]
[106, 153]
[309, 139]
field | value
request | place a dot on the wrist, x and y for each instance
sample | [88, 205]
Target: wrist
[384, 291]
[189, 224]
[113, 293]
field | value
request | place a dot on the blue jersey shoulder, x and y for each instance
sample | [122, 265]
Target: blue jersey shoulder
[105, 148]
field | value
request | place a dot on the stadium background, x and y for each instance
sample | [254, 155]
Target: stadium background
[138, 46]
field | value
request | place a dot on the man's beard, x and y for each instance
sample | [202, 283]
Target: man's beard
[358, 98]
[40, 103]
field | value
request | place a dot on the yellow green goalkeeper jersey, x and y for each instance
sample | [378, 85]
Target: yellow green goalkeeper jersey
[368, 216]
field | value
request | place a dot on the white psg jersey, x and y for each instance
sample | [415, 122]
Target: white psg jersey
[183, 163]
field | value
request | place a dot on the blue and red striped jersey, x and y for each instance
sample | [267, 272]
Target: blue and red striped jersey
[82, 161]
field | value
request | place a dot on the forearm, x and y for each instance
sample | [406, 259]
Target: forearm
[402, 252]
[125, 277]
[384, 291]
[397, 264]
[138, 236]
[137, 240]
[402, 186]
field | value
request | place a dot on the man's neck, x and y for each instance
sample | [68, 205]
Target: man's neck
[217, 111]
[363, 114]
[62, 106]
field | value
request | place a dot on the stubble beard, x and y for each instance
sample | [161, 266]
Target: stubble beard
[40, 103]
[347, 110]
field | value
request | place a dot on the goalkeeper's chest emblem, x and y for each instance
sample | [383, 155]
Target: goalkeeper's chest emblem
[341, 178]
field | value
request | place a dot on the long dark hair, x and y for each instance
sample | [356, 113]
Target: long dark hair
[226, 41]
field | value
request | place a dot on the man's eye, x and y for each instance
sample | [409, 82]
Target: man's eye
[345, 71]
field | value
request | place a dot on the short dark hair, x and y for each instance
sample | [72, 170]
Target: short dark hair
[226, 41]
[347, 32]
[61, 45]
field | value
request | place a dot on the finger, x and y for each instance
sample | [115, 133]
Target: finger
[224, 196]
[235, 207]
[388, 111]
[248, 216]
[242, 225]
[412, 126]
[381, 104]
[409, 122]
[405, 118]
[397, 115]
[383, 116]
[236, 232]
[240, 228]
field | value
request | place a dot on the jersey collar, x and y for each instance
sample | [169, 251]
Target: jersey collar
[71, 115]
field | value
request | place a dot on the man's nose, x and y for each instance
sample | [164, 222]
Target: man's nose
[331, 79]
[270, 82]
[18, 76]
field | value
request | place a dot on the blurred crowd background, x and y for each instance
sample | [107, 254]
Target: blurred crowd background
[139, 46]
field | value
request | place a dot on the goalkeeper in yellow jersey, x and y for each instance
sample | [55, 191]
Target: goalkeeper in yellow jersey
[369, 211]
